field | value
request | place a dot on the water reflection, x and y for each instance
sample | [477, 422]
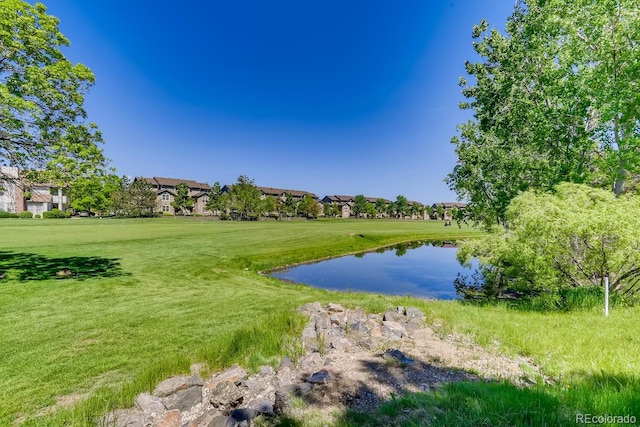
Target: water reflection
[421, 269]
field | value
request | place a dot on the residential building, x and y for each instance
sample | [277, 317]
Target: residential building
[344, 203]
[166, 193]
[17, 194]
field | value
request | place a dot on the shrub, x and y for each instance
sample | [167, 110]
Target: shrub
[37, 216]
[54, 213]
[7, 215]
[573, 238]
[26, 214]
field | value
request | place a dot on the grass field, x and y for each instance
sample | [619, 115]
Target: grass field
[146, 298]
[139, 300]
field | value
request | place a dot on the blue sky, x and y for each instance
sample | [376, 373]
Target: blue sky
[332, 97]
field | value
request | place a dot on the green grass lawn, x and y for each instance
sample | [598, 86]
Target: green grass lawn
[146, 298]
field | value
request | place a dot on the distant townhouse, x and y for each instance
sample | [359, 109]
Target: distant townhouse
[17, 194]
[344, 204]
[166, 192]
[447, 208]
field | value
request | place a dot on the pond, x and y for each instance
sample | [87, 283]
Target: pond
[419, 269]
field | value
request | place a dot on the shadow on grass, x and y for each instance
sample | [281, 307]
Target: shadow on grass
[503, 404]
[26, 266]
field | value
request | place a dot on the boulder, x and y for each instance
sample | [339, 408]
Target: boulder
[393, 330]
[175, 384]
[282, 377]
[184, 400]
[170, 419]
[335, 308]
[225, 394]
[149, 404]
[319, 377]
[413, 312]
[310, 361]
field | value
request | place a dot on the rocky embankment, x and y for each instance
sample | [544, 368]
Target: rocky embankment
[352, 360]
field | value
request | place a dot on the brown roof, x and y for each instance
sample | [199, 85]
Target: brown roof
[270, 191]
[40, 198]
[449, 205]
[158, 181]
[375, 199]
[339, 198]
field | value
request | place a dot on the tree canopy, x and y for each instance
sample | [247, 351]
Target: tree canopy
[42, 118]
[555, 99]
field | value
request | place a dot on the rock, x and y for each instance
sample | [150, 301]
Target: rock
[175, 384]
[263, 406]
[310, 361]
[170, 419]
[413, 312]
[360, 326]
[393, 330]
[282, 377]
[266, 371]
[126, 418]
[335, 308]
[225, 394]
[400, 310]
[282, 403]
[286, 362]
[184, 400]
[319, 377]
[340, 344]
[392, 316]
[234, 374]
[223, 421]
[244, 414]
[149, 404]
[196, 369]
[309, 333]
[354, 316]
[322, 322]
[338, 318]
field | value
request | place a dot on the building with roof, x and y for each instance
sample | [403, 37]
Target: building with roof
[165, 189]
[18, 194]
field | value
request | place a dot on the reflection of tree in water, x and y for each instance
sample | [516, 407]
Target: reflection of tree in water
[360, 254]
[26, 266]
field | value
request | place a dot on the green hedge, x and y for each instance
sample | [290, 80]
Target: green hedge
[26, 214]
[54, 213]
[7, 215]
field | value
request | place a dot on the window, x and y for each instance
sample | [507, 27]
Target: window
[165, 196]
[165, 208]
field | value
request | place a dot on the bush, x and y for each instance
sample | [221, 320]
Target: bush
[7, 215]
[37, 216]
[54, 213]
[26, 214]
[573, 238]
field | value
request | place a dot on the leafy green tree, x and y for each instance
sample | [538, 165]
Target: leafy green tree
[381, 207]
[245, 198]
[554, 99]
[392, 209]
[269, 206]
[289, 206]
[440, 211]
[93, 193]
[308, 207]
[402, 206]
[182, 201]
[42, 117]
[327, 209]
[563, 240]
[359, 205]
[141, 199]
[216, 201]
[370, 210]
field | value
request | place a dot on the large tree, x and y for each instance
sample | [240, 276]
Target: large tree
[182, 201]
[554, 99]
[246, 198]
[359, 205]
[308, 207]
[42, 118]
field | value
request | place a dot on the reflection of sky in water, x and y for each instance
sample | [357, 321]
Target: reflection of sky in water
[424, 272]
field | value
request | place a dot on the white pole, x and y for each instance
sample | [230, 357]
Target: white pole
[606, 296]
